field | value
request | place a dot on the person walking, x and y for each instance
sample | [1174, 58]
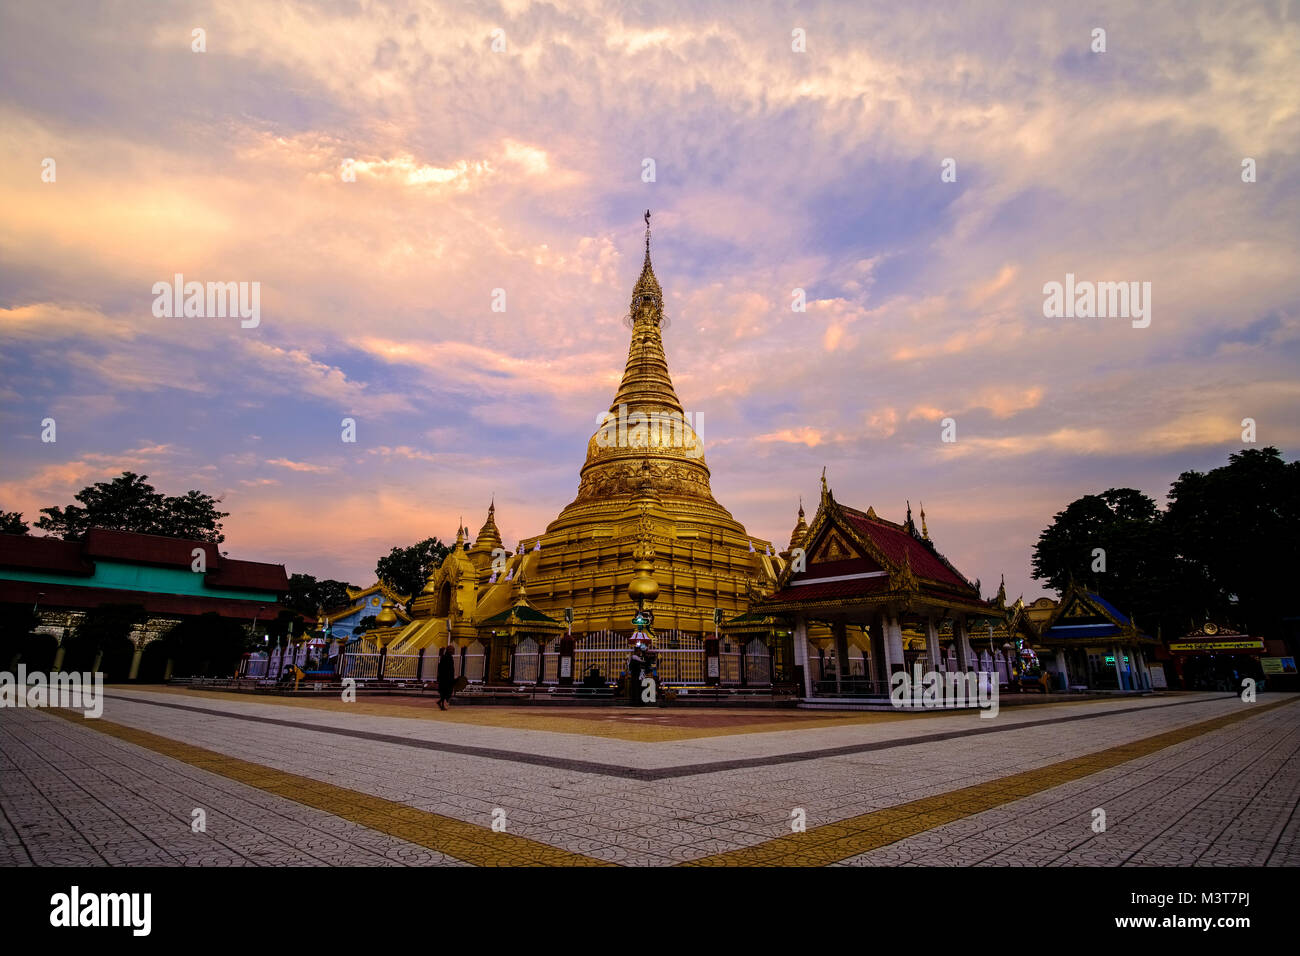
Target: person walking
[635, 665]
[446, 677]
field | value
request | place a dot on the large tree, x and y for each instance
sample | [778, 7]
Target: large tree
[308, 595]
[1239, 526]
[130, 503]
[405, 570]
[1116, 544]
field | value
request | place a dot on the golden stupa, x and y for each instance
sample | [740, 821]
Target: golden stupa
[644, 515]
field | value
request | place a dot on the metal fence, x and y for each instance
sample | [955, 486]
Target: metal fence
[471, 662]
[680, 656]
[360, 666]
[406, 666]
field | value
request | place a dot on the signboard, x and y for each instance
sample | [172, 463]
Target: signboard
[713, 666]
[566, 666]
[1190, 646]
[1278, 665]
[1158, 681]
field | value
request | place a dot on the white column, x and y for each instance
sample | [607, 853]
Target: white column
[1119, 669]
[932, 650]
[893, 643]
[801, 653]
[1140, 667]
[965, 653]
[1061, 667]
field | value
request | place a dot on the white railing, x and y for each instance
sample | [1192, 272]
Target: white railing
[680, 656]
[405, 667]
[360, 666]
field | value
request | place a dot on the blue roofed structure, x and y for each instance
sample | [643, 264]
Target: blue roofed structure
[1098, 646]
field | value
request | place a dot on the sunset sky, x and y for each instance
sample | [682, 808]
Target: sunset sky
[522, 170]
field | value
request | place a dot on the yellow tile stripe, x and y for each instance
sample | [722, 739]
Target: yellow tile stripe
[469, 842]
[834, 842]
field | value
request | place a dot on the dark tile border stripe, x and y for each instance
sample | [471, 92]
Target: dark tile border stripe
[655, 773]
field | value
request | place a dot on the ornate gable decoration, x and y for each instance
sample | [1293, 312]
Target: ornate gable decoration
[904, 578]
[832, 548]
[1078, 608]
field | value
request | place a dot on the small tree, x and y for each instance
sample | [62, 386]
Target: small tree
[308, 596]
[11, 522]
[405, 570]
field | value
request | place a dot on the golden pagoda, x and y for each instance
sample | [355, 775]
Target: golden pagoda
[644, 510]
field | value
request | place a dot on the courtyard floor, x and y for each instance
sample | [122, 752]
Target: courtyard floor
[1179, 779]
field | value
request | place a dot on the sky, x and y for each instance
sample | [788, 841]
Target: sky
[503, 146]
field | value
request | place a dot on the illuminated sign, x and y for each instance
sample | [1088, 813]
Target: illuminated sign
[1278, 665]
[1255, 645]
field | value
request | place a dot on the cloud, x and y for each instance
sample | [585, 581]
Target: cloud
[302, 466]
[521, 171]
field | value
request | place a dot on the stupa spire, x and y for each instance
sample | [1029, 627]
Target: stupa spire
[646, 384]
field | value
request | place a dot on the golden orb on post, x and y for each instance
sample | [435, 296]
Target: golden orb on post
[643, 587]
[386, 618]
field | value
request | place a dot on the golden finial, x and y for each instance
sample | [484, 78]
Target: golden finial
[925, 532]
[647, 286]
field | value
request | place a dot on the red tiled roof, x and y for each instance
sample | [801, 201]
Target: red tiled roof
[895, 542]
[826, 569]
[146, 548]
[54, 555]
[248, 575]
[829, 590]
[43, 554]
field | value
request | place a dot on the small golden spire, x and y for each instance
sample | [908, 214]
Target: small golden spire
[489, 537]
[925, 532]
[800, 531]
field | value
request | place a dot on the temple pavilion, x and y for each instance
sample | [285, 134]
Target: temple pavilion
[859, 584]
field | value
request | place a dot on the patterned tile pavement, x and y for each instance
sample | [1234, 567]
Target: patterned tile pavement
[1202, 779]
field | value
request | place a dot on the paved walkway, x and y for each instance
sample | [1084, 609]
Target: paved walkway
[1182, 779]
